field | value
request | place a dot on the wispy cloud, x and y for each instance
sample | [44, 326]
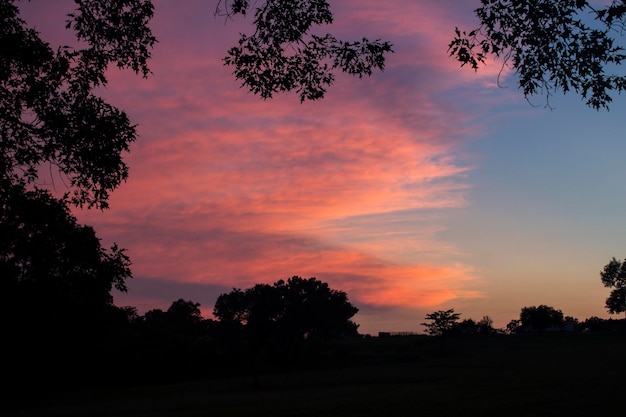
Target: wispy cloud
[227, 190]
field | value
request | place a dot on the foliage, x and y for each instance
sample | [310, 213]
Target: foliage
[513, 326]
[49, 114]
[441, 322]
[541, 317]
[183, 311]
[50, 263]
[485, 325]
[549, 45]
[297, 309]
[181, 321]
[614, 276]
[283, 54]
[56, 309]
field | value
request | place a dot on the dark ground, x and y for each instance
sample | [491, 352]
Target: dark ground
[522, 375]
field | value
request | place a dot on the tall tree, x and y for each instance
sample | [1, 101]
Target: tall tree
[54, 273]
[614, 276]
[56, 309]
[552, 45]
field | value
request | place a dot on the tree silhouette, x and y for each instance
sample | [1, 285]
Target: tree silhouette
[614, 276]
[441, 322]
[294, 309]
[552, 45]
[53, 265]
[49, 113]
[513, 326]
[541, 317]
[56, 310]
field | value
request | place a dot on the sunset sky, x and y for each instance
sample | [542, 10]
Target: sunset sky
[424, 187]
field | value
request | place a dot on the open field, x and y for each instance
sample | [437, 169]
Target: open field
[539, 375]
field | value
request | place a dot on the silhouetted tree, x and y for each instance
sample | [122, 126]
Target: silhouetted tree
[485, 326]
[541, 317]
[284, 53]
[513, 326]
[51, 268]
[183, 311]
[55, 277]
[552, 45]
[467, 327]
[297, 309]
[614, 276]
[56, 309]
[441, 322]
[49, 113]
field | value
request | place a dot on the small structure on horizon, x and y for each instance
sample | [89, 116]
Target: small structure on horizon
[391, 334]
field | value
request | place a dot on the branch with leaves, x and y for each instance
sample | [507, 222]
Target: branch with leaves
[283, 54]
[552, 45]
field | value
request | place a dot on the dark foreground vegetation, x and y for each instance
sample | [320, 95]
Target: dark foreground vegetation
[541, 374]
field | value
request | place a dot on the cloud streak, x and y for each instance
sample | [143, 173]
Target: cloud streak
[226, 190]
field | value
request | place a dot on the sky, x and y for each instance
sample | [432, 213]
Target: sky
[424, 187]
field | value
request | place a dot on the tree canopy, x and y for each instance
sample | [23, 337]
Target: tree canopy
[552, 45]
[298, 308]
[441, 322]
[541, 317]
[50, 266]
[614, 276]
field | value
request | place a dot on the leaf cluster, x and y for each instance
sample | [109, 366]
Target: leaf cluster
[283, 54]
[49, 114]
[549, 45]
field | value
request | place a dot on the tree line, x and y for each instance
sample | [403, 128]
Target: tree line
[532, 319]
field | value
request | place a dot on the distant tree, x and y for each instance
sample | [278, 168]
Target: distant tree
[297, 308]
[570, 321]
[441, 322]
[185, 318]
[182, 318]
[541, 317]
[467, 327]
[485, 326]
[283, 54]
[184, 311]
[614, 276]
[552, 45]
[232, 307]
[597, 324]
[513, 326]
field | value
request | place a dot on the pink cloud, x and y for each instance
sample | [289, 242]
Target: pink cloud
[228, 190]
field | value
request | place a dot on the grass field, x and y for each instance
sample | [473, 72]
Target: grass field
[539, 375]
